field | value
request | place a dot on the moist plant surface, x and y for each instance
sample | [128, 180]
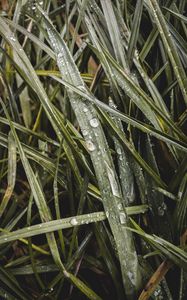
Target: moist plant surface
[93, 149]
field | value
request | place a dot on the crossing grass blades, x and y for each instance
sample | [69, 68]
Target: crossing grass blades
[93, 149]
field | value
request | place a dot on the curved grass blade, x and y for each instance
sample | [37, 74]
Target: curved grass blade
[134, 33]
[95, 140]
[29, 75]
[9, 280]
[114, 32]
[177, 255]
[45, 214]
[177, 15]
[169, 46]
[50, 226]
[126, 118]
[12, 163]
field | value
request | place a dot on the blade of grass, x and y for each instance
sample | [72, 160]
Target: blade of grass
[12, 163]
[134, 33]
[45, 214]
[103, 164]
[169, 46]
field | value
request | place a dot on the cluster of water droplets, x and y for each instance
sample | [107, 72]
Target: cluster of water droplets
[13, 38]
[161, 209]
[158, 294]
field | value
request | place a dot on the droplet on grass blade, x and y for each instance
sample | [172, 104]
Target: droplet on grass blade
[94, 122]
[90, 146]
[122, 218]
[73, 221]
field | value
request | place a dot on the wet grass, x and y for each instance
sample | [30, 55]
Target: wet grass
[93, 149]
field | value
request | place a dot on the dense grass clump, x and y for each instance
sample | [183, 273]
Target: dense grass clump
[93, 145]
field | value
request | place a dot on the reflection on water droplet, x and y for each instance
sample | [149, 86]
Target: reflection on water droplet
[160, 211]
[85, 109]
[12, 38]
[131, 276]
[120, 207]
[90, 146]
[119, 151]
[94, 122]
[73, 221]
[112, 180]
[59, 55]
[85, 132]
[122, 218]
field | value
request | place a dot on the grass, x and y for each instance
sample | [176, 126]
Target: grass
[93, 149]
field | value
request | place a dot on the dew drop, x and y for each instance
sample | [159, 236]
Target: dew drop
[94, 122]
[122, 218]
[59, 55]
[85, 109]
[90, 146]
[85, 132]
[107, 214]
[12, 38]
[119, 151]
[73, 221]
[131, 276]
[120, 207]
[160, 211]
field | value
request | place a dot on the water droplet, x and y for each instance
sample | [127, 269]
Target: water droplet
[73, 221]
[94, 122]
[160, 211]
[122, 218]
[59, 55]
[85, 109]
[12, 38]
[112, 180]
[107, 214]
[131, 276]
[120, 207]
[85, 132]
[90, 146]
[119, 151]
